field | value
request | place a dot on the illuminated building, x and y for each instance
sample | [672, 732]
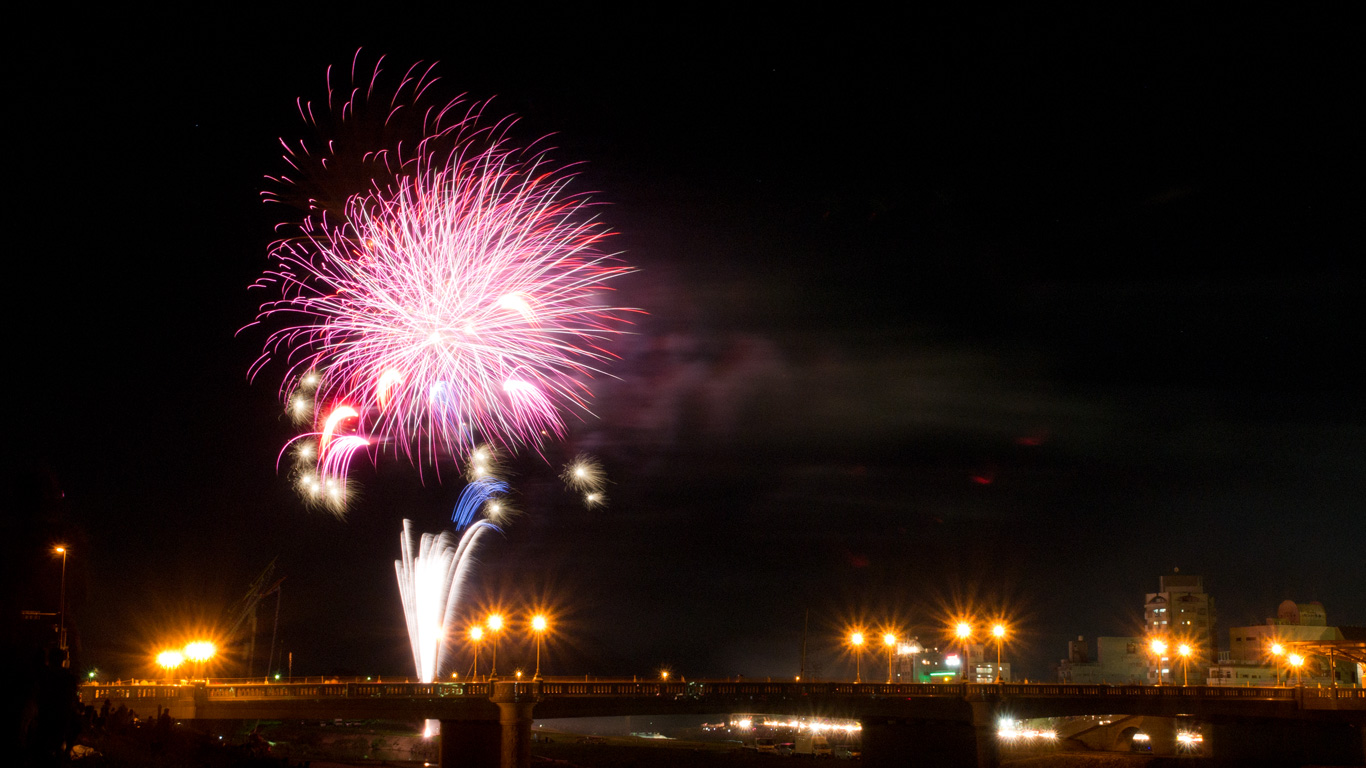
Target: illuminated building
[1181, 610]
[1249, 660]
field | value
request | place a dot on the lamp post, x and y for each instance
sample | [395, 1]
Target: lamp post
[170, 661]
[538, 625]
[1277, 650]
[476, 634]
[1158, 648]
[494, 623]
[1185, 652]
[856, 640]
[999, 632]
[1296, 661]
[200, 652]
[964, 632]
[61, 610]
[889, 640]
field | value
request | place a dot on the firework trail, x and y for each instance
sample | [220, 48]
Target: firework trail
[431, 577]
[474, 497]
[455, 293]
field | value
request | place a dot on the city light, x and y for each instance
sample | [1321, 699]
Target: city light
[1158, 648]
[889, 640]
[495, 623]
[1295, 661]
[1189, 738]
[200, 651]
[60, 549]
[476, 635]
[1277, 650]
[1184, 651]
[539, 624]
[856, 640]
[998, 631]
[169, 660]
[964, 631]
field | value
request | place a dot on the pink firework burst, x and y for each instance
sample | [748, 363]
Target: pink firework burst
[460, 299]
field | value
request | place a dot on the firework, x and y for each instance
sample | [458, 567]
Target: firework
[455, 295]
[585, 475]
[431, 578]
[486, 494]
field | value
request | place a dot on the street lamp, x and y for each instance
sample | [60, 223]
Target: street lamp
[1296, 661]
[476, 634]
[200, 652]
[889, 640]
[1185, 652]
[1158, 648]
[538, 625]
[856, 640]
[963, 631]
[61, 609]
[494, 623]
[1277, 650]
[999, 632]
[170, 661]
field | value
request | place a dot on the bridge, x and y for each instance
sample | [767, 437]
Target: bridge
[489, 723]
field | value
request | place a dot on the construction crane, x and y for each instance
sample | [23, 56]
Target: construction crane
[243, 613]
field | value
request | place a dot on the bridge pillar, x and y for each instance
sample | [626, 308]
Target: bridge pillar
[514, 719]
[471, 744]
[942, 743]
[1286, 741]
[985, 719]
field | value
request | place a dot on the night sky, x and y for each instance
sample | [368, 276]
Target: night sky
[1007, 316]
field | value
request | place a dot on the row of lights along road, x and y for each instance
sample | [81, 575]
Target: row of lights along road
[494, 624]
[962, 630]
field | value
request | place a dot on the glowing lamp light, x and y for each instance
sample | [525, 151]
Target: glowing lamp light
[1158, 647]
[476, 633]
[998, 631]
[889, 639]
[963, 630]
[856, 638]
[495, 622]
[538, 623]
[170, 659]
[200, 651]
